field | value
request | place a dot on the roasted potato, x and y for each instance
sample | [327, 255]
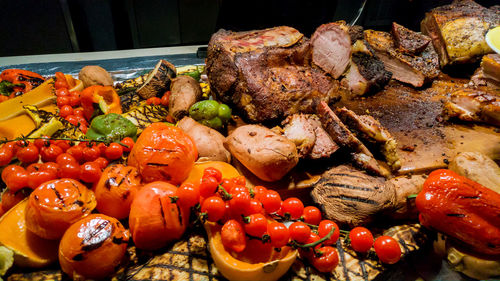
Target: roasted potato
[266, 154]
[185, 91]
[477, 167]
[209, 142]
[95, 75]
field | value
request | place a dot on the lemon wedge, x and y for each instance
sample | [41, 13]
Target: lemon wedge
[493, 39]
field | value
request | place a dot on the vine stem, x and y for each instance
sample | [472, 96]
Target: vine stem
[321, 240]
[66, 139]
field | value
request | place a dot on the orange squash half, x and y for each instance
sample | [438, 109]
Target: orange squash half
[264, 264]
[29, 249]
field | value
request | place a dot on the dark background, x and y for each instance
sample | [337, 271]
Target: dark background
[30, 27]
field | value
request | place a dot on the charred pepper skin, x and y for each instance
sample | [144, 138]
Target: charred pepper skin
[462, 209]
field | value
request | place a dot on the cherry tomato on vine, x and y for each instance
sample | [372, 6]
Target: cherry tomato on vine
[258, 192]
[271, 201]
[387, 249]
[17, 180]
[34, 167]
[233, 236]
[325, 227]
[76, 151]
[328, 260]
[102, 148]
[11, 198]
[208, 186]
[62, 101]
[257, 225]
[240, 201]
[293, 206]
[278, 233]
[300, 232]
[62, 92]
[69, 170]
[212, 172]
[114, 151]
[50, 153]
[312, 215]
[41, 142]
[91, 153]
[61, 81]
[63, 144]
[74, 98]
[255, 207]
[6, 155]
[361, 239]
[165, 99]
[51, 167]
[72, 119]
[214, 207]
[9, 170]
[189, 195]
[90, 172]
[28, 154]
[65, 158]
[228, 184]
[129, 142]
[153, 100]
[36, 178]
[65, 111]
[102, 162]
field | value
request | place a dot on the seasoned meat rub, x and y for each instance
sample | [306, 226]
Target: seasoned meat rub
[409, 41]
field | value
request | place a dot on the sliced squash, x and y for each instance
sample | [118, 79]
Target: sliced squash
[29, 249]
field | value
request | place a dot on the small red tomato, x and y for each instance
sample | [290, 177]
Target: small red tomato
[240, 201]
[129, 142]
[241, 181]
[233, 236]
[299, 232]
[165, 99]
[153, 100]
[312, 215]
[279, 234]
[257, 225]
[114, 151]
[17, 180]
[78, 112]
[258, 192]
[76, 151]
[328, 260]
[228, 184]
[50, 153]
[72, 120]
[212, 172]
[361, 239]
[102, 162]
[102, 148]
[10, 170]
[189, 195]
[214, 207]
[271, 201]
[387, 249]
[41, 142]
[62, 101]
[36, 178]
[208, 186]
[62, 92]
[11, 198]
[65, 158]
[255, 207]
[51, 167]
[293, 206]
[307, 252]
[65, 111]
[324, 228]
[28, 154]
[6, 155]
[63, 144]
[69, 170]
[74, 99]
[91, 153]
[34, 167]
[90, 172]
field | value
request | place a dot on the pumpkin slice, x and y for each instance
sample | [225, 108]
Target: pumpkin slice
[254, 263]
[29, 249]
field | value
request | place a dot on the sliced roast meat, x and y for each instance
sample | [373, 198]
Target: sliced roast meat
[457, 30]
[356, 33]
[331, 48]
[266, 73]
[409, 41]
[370, 130]
[473, 105]
[408, 68]
[310, 138]
[488, 74]
[350, 196]
[361, 156]
[366, 71]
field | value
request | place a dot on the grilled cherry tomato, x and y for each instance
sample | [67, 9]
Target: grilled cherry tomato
[361, 239]
[293, 206]
[93, 247]
[328, 260]
[325, 226]
[113, 151]
[312, 215]
[11, 198]
[28, 154]
[189, 195]
[129, 142]
[208, 186]
[279, 234]
[233, 236]
[90, 172]
[116, 190]
[55, 205]
[214, 207]
[17, 179]
[387, 249]
[257, 225]
[300, 232]
[271, 201]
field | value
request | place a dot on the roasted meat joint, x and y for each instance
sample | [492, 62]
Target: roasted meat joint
[347, 154]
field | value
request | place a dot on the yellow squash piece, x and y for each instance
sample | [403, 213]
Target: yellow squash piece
[29, 249]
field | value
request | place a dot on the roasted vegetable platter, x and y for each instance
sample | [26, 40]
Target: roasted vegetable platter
[273, 159]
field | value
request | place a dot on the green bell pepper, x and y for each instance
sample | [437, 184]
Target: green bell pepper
[112, 127]
[210, 113]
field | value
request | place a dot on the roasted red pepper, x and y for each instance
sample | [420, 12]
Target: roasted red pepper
[104, 96]
[463, 209]
[27, 80]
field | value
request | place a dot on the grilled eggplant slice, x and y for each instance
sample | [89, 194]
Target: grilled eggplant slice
[142, 116]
